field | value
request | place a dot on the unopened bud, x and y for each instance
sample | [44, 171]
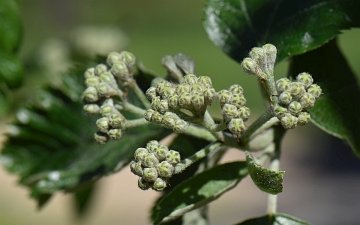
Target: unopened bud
[289, 121]
[150, 160]
[144, 185]
[244, 113]
[140, 154]
[90, 95]
[103, 124]
[249, 66]
[173, 157]
[159, 184]
[112, 58]
[150, 174]
[115, 134]
[295, 108]
[89, 73]
[101, 138]
[315, 90]
[303, 118]
[305, 78]
[190, 79]
[99, 69]
[283, 84]
[236, 126]
[136, 168]
[92, 108]
[165, 169]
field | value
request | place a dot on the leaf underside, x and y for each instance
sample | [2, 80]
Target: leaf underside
[276, 219]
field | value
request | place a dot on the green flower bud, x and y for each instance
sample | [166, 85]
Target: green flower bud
[182, 88]
[116, 120]
[305, 79]
[258, 54]
[136, 168]
[150, 160]
[159, 184]
[224, 96]
[144, 185]
[315, 90]
[238, 100]
[173, 101]
[150, 174]
[101, 138]
[115, 134]
[160, 88]
[108, 78]
[198, 102]
[140, 154]
[129, 59]
[151, 93]
[173, 157]
[285, 98]
[152, 145]
[165, 169]
[106, 110]
[244, 113]
[90, 95]
[112, 58]
[169, 120]
[190, 79]
[92, 81]
[279, 111]
[307, 101]
[89, 73]
[163, 106]
[184, 100]
[120, 70]
[157, 118]
[295, 108]
[236, 89]
[205, 81]
[303, 118]
[297, 89]
[103, 124]
[270, 51]
[249, 66]
[105, 90]
[180, 126]
[196, 89]
[155, 102]
[229, 112]
[92, 108]
[283, 84]
[148, 115]
[289, 121]
[160, 152]
[236, 126]
[99, 69]
[209, 96]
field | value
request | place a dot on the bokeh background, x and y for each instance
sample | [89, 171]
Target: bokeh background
[322, 174]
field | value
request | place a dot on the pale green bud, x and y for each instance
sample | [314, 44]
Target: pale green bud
[99, 69]
[105, 90]
[289, 121]
[249, 66]
[148, 115]
[173, 157]
[106, 110]
[108, 78]
[129, 59]
[305, 79]
[295, 108]
[307, 101]
[163, 87]
[101, 138]
[140, 154]
[157, 118]
[315, 90]
[112, 58]
[238, 100]
[150, 174]
[116, 120]
[184, 100]
[279, 111]
[236, 89]
[190, 79]
[160, 152]
[152, 145]
[150, 160]
[283, 84]
[196, 89]
[136, 168]
[103, 124]
[120, 70]
[209, 96]
[155, 102]
[159, 184]
[92, 108]
[183, 88]
[89, 73]
[92, 81]
[285, 98]
[297, 89]
[144, 185]
[270, 51]
[165, 169]
[244, 113]
[115, 134]
[258, 54]
[90, 95]
[229, 112]
[205, 81]
[236, 126]
[224, 96]
[303, 118]
[180, 126]
[198, 102]
[169, 120]
[173, 101]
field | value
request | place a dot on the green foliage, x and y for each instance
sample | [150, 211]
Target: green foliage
[275, 219]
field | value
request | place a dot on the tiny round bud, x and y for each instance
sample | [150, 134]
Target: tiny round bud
[289, 121]
[180, 126]
[244, 113]
[108, 78]
[148, 115]
[150, 160]
[104, 90]
[161, 151]
[307, 101]
[157, 118]
[163, 87]
[315, 90]
[294, 108]
[205, 81]
[190, 79]
[90, 94]
[283, 84]
[101, 138]
[229, 112]
[285, 98]
[258, 54]
[173, 101]
[249, 66]
[152, 145]
[144, 185]
[196, 89]
[183, 88]
[163, 106]
[89, 73]
[92, 81]
[184, 100]
[173, 157]
[114, 134]
[159, 184]
[303, 118]
[224, 96]
[165, 169]
[92, 108]
[150, 174]
[155, 103]
[305, 78]
[120, 70]
[297, 89]
[238, 100]
[103, 124]
[197, 102]
[209, 96]
[169, 120]
[236, 89]
[270, 51]
[150, 93]
[107, 109]
[236, 126]
[129, 59]
[99, 69]
[116, 120]
[279, 111]
[112, 58]
[140, 154]
[136, 168]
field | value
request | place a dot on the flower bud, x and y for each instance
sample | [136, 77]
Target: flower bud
[160, 152]
[150, 160]
[99, 69]
[112, 58]
[120, 71]
[196, 89]
[236, 89]
[105, 90]
[180, 126]
[101, 138]
[197, 102]
[107, 109]
[148, 115]
[108, 78]
[173, 101]
[294, 108]
[90, 95]
[157, 118]
[307, 101]
[244, 113]
[92, 108]
[150, 174]
[163, 106]
[152, 145]
[129, 60]
[89, 73]
[209, 96]
[116, 120]
[303, 118]
[315, 90]
[236, 126]
[190, 79]
[184, 100]
[270, 51]
[279, 111]
[103, 124]
[224, 96]
[258, 54]
[162, 86]
[285, 98]
[249, 66]
[144, 185]
[173, 157]
[205, 81]
[182, 88]
[140, 154]
[169, 119]
[92, 81]
[165, 169]
[297, 89]
[289, 121]
[238, 100]
[305, 79]
[159, 184]
[229, 112]
[150, 93]
[283, 84]
[136, 168]
[115, 134]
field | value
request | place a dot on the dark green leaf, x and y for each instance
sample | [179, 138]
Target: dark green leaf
[276, 219]
[10, 26]
[11, 70]
[294, 27]
[337, 110]
[83, 197]
[265, 179]
[198, 191]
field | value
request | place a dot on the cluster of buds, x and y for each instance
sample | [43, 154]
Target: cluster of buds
[102, 82]
[294, 100]
[154, 165]
[233, 108]
[171, 105]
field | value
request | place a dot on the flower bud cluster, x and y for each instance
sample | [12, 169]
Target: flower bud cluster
[154, 165]
[171, 105]
[233, 108]
[294, 100]
[261, 61]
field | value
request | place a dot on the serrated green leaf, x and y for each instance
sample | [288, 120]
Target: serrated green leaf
[198, 191]
[337, 110]
[276, 219]
[294, 27]
[265, 179]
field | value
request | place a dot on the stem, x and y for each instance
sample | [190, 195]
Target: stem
[200, 133]
[209, 123]
[130, 108]
[135, 123]
[139, 93]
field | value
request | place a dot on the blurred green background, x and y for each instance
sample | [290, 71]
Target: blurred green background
[155, 28]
